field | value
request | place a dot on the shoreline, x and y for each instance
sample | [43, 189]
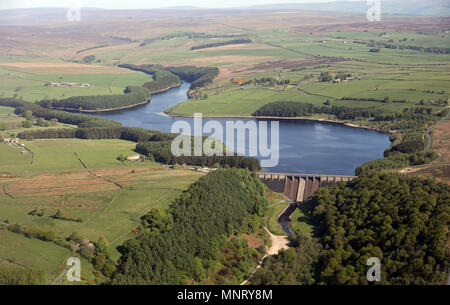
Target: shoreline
[284, 118]
[118, 108]
[100, 110]
[166, 89]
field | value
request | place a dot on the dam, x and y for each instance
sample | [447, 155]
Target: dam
[299, 187]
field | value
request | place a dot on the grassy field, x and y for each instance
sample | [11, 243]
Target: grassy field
[58, 155]
[35, 253]
[110, 196]
[27, 80]
[11, 124]
[300, 221]
[277, 203]
[409, 83]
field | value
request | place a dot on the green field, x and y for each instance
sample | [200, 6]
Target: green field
[11, 124]
[35, 253]
[300, 221]
[57, 181]
[29, 83]
[400, 74]
[277, 203]
[58, 155]
[409, 83]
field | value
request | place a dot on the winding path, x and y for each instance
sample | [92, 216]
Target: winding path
[430, 139]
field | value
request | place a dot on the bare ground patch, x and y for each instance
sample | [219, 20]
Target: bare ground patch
[64, 68]
[289, 64]
[55, 185]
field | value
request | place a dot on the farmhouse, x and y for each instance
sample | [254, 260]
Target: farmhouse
[11, 140]
[65, 84]
[133, 158]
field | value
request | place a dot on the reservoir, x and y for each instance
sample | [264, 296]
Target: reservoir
[306, 147]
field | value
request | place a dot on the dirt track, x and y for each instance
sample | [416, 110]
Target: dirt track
[278, 243]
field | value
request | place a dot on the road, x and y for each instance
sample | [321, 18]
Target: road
[61, 276]
[430, 139]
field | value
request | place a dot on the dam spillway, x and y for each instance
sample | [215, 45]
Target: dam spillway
[300, 187]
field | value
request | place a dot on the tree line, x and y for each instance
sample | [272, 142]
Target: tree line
[162, 78]
[296, 109]
[220, 44]
[81, 120]
[165, 77]
[132, 96]
[197, 76]
[161, 152]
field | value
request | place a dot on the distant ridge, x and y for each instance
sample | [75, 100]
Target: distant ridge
[404, 7]
[29, 16]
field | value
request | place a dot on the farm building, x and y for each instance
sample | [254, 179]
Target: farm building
[11, 140]
[133, 158]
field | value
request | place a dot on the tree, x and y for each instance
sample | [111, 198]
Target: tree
[87, 251]
[75, 236]
[325, 77]
[40, 121]
[100, 261]
[102, 243]
[157, 219]
[28, 114]
[88, 59]
[109, 269]
[27, 124]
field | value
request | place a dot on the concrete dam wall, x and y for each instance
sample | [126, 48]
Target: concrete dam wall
[299, 187]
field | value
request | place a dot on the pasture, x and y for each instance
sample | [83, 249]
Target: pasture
[27, 80]
[110, 196]
[11, 124]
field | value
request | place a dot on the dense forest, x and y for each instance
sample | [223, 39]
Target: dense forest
[402, 221]
[221, 44]
[190, 35]
[197, 76]
[419, 115]
[190, 242]
[162, 78]
[81, 120]
[123, 133]
[132, 96]
[160, 151]
[297, 265]
[167, 77]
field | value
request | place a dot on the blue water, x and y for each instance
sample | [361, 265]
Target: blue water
[307, 147]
